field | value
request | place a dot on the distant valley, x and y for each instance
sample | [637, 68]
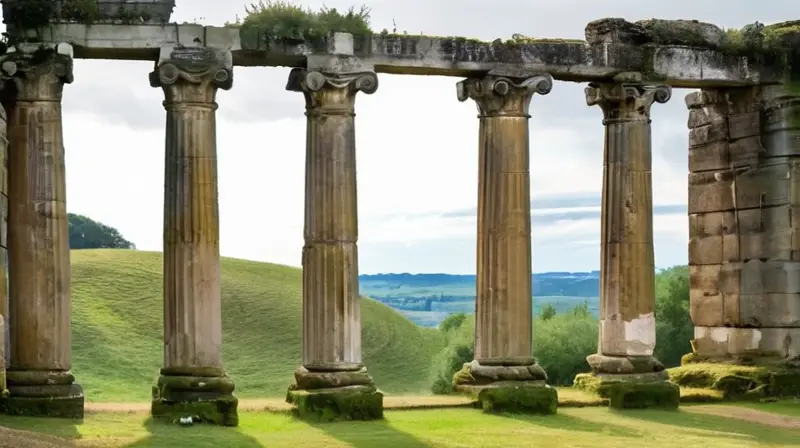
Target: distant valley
[427, 299]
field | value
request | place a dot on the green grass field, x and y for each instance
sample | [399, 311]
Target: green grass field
[117, 329]
[572, 427]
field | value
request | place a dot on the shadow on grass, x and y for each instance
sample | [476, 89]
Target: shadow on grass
[169, 435]
[370, 434]
[59, 427]
[716, 426]
[565, 422]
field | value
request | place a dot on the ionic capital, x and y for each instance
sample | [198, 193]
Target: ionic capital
[192, 74]
[626, 102]
[38, 75]
[502, 96]
[331, 93]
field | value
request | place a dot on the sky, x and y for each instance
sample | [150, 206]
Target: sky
[417, 147]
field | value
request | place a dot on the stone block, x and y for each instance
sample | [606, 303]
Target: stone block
[342, 403]
[745, 151]
[743, 125]
[305, 379]
[518, 398]
[624, 364]
[657, 395]
[207, 399]
[717, 342]
[220, 410]
[715, 131]
[58, 401]
[759, 277]
[745, 188]
[711, 156]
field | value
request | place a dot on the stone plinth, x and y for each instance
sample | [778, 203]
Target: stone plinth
[503, 319]
[39, 378]
[193, 381]
[624, 365]
[333, 382]
[743, 214]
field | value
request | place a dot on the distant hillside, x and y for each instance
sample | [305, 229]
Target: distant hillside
[575, 284]
[117, 328]
[427, 299]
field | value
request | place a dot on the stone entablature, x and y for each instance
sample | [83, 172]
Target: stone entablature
[676, 53]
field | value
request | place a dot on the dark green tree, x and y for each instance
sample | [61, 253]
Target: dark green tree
[86, 233]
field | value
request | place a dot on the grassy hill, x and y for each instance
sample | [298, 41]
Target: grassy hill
[117, 329]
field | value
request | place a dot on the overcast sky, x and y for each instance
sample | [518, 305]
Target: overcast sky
[417, 145]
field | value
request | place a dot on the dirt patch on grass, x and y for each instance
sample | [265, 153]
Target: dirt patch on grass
[16, 438]
[748, 415]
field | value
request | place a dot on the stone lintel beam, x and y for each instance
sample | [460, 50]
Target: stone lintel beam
[39, 378]
[627, 270]
[331, 310]
[672, 62]
[503, 323]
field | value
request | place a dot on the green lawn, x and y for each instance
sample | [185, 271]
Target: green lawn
[117, 329]
[789, 408]
[573, 427]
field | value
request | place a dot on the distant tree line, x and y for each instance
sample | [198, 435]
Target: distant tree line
[86, 233]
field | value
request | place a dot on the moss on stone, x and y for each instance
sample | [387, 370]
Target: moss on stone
[661, 395]
[57, 407]
[777, 45]
[343, 403]
[523, 399]
[219, 411]
[738, 381]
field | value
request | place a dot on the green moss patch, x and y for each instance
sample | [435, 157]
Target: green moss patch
[522, 399]
[739, 382]
[660, 395]
[343, 403]
[219, 411]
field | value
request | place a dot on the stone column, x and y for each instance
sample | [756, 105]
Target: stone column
[193, 381]
[332, 370]
[627, 267]
[39, 377]
[4, 339]
[504, 304]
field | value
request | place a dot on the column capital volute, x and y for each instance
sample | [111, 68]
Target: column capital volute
[37, 73]
[626, 101]
[193, 65]
[331, 90]
[504, 96]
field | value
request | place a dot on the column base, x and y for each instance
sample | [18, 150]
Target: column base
[507, 388]
[335, 395]
[630, 382]
[206, 399]
[739, 377]
[36, 393]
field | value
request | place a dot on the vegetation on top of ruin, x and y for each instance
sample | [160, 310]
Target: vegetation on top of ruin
[287, 22]
[767, 44]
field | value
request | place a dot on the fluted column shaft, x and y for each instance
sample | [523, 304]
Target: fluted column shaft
[331, 309]
[38, 239]
[192, 309]
[627, 269]
[503, 322]
[37, 221]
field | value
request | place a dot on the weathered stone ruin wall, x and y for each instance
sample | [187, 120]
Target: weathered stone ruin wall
[744, 249]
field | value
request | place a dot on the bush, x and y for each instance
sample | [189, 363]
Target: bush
[561, 345]
[288, 22]
[459, 349]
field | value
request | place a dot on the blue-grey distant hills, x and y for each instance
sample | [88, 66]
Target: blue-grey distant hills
[428, 298]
